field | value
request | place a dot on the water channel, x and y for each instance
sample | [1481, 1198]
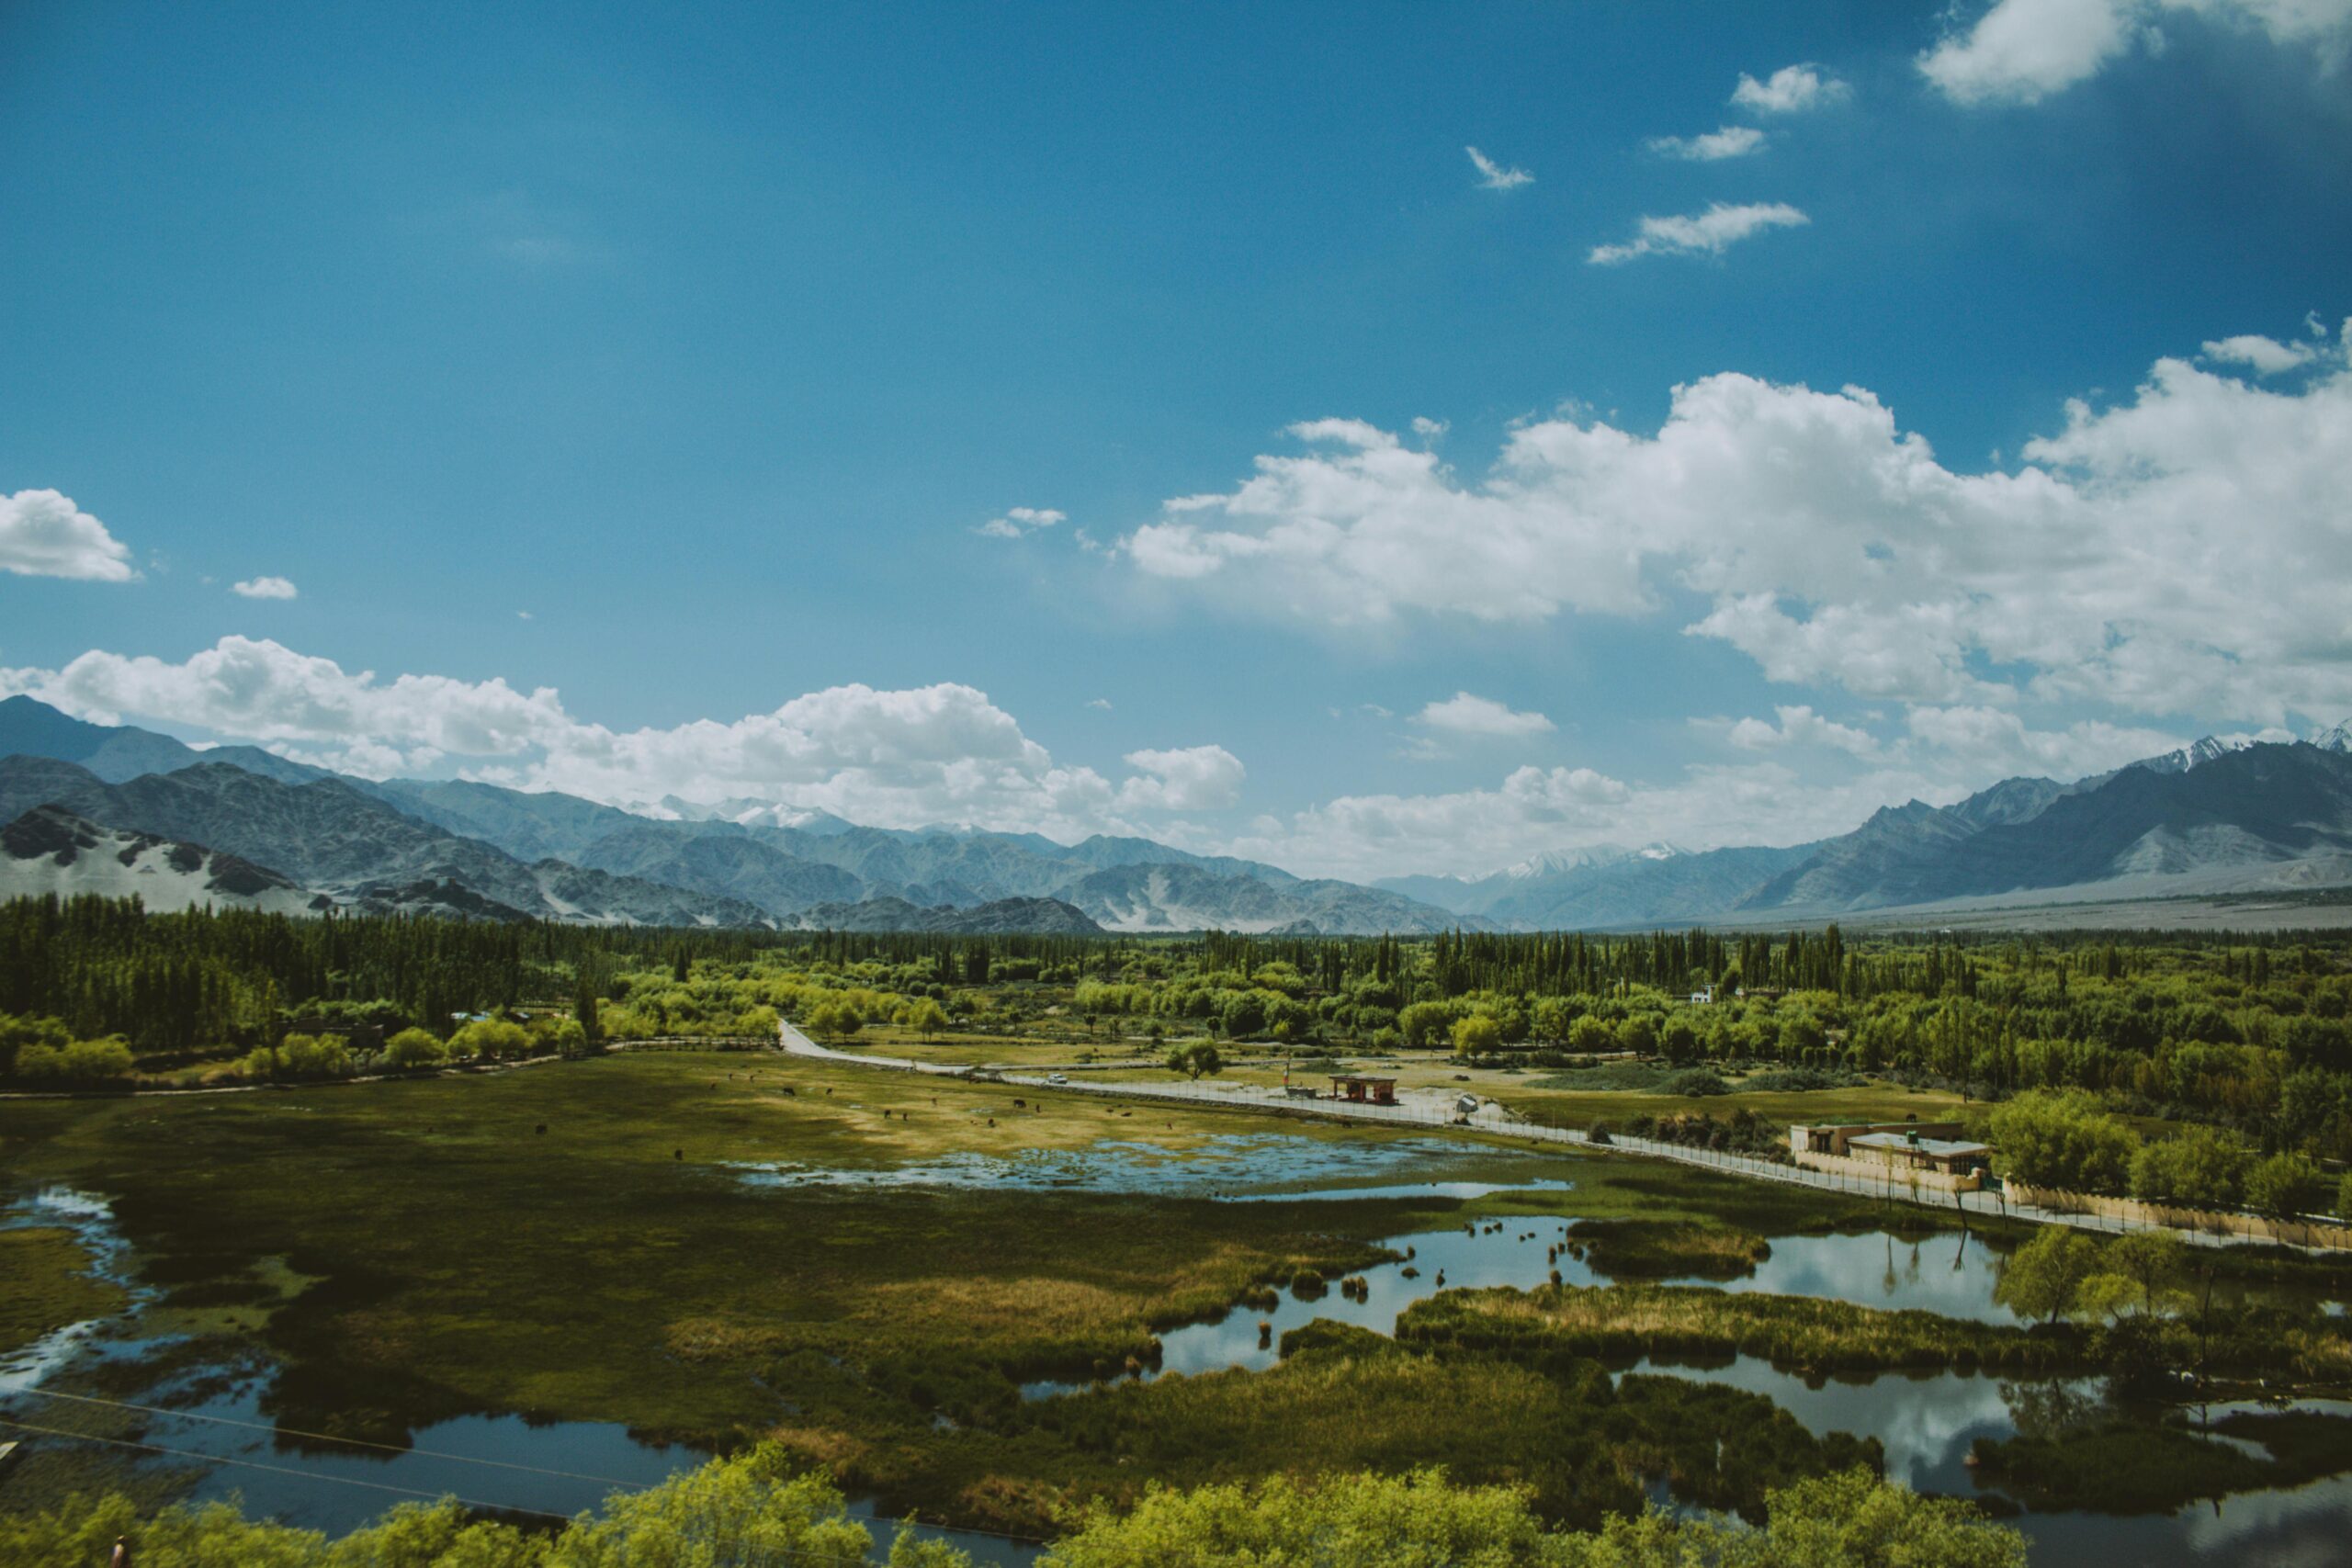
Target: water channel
[1926, 1422]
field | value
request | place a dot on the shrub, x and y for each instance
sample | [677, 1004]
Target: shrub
[77, 1062]
[414, 1048]
[1697, 1082]
[2063, 1141]
[2198, 1167]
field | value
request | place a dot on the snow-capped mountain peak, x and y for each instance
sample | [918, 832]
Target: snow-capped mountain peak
[1550, 863]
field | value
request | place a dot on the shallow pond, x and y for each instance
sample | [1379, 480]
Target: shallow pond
[1228, 1165]
[1927, 1423]
[560, 1467]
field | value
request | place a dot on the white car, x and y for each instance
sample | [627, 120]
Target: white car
[1058, 1077]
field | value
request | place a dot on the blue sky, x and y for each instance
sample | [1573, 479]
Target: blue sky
[672, 366]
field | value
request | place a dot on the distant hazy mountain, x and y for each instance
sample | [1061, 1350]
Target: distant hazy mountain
[1047, 916]
[2272, 812]
[489, 852]
[2211, 815]
[49, 850]
[116, 753]
[331, 838]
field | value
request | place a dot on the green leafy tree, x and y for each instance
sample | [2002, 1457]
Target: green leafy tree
[1195, 1061]
[2156, 1264]
[414, 1048]
[489, 1040]
[2064, 1141]
[82, 1063]
[2284, 1187]
[740, 1511]
[2197, 1167]
[2040, 1277]
[1588, 1036]
[1421, 1520]
[926, 1018]
[1638, 1033]
[1476, 1035]
[16, 1034]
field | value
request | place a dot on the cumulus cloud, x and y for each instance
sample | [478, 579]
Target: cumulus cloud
[2180, 551]
[263, 588]
[1999, 741]
[2020, 52]
[1730, 141]
[1791, 89]
[1197, 778]
[1463, 713]
[939, 753]
[1019, 522]
[2266, 357]
[1798, 725]
[43, 534]
[1700, 233]
[1494, 176]
[1472, 833]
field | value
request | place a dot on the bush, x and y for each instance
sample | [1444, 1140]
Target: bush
[1697, 1082]
[2063, 1141]
[2284, 1186]
[414, 1048]
[2197, 1167]
[489, 1040]
[80, 1062]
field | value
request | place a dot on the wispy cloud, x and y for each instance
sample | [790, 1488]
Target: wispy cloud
[1731, 142]
[1019, 522]
[1793, 89]
[1702, 233]
[1494, 175]
[263, 588]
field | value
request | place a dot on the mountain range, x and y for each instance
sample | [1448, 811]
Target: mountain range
[98, 807]
[482, 850]
[2214, 817]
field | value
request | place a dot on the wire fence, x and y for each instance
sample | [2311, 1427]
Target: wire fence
[1492, 1118]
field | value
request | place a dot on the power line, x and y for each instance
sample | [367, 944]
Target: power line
[273, 1469]
[630, 1486]
[804, 1554]
[331, 1438]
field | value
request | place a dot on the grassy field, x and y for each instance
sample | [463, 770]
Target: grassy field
[45, 1283]
[579, 1240]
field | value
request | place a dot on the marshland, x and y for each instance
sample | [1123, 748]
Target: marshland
[995, 1306]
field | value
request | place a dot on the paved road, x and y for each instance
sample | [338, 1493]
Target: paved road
[1492, 1117]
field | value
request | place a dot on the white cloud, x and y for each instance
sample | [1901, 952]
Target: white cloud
[1463, 713]
[1730, 141]
[1800, 726]
[1790, 90]
[1997, 741]
[1700, 233]
[1018, 522]
[2266, 357]
[263, 588]
[1494, 176]
[2020, 52]
[1103, 703]
[940, 753]
[43, 534]
[1470, 832]
[1197, 778]
[2181, 551]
